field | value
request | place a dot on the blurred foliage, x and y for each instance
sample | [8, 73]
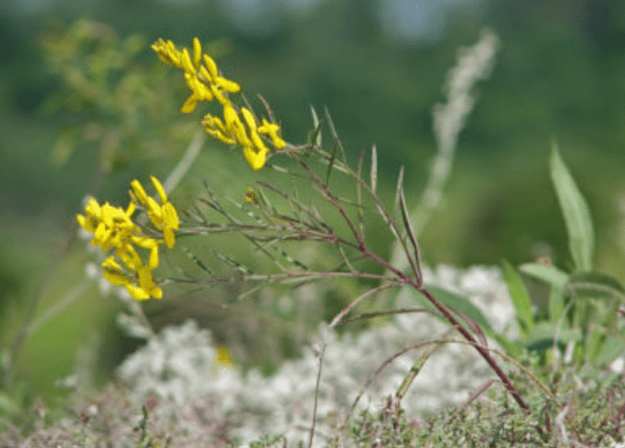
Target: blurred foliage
[559, 72]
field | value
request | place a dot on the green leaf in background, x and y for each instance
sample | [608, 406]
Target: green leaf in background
[520, 299]
[609, 351]
[457, 302]
[316, 133]
[465, 306]
[545, 334]
[576, 213]
[594, 285]
[546, 273]
[553, 277]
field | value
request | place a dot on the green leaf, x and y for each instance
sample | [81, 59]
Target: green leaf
[465, 306]
[316, 134]
[196, 260]
[415, 263]
[235, 264]
[544, 334]
[594, 285]
[374, 168]
[457, 302]
[546, 273]
[610, 350]
[576, 213]
[556, 279]
[520, 299]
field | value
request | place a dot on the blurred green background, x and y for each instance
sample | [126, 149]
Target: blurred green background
[377, 65]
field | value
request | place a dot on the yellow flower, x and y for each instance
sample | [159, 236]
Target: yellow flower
[203, 79]
[114, 273]
[215, 127]
[146, 287]
[112, 227]
[271, 130]
[164, 217]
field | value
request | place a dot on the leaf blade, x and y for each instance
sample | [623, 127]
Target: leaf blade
[575, 211]
[520, 298]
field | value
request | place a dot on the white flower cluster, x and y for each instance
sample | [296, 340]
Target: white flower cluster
[181, 364]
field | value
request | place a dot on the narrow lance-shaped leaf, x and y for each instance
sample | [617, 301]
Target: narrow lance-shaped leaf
[414, 263]
[335, 149]
[576, 213]
[361, 223]
[235, 264]
[374, 168]
[196, 260]
[414, 371]
[520, 299]
[316, 134]
[595, 285]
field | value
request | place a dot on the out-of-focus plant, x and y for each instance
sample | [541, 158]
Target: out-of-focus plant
[112, 97]
[581, 322]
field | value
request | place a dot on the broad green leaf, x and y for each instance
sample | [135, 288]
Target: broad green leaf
[576, 213]
[520, 299]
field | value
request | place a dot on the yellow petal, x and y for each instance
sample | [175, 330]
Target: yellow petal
[197, 52]
[211, 66]
[136, 292]
[154, 211]
[116, 278]
[153, 260]
[185, 61]
[170, 237]
[170, 216]
[255, 159]
[189, 105]
[159, 189]
[227, 85]
[139, 192]
[85, 223]
[157, 292]
[93, 208]
[249, 119]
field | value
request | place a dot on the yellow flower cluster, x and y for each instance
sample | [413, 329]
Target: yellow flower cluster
[202, 77]
[112, 227]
